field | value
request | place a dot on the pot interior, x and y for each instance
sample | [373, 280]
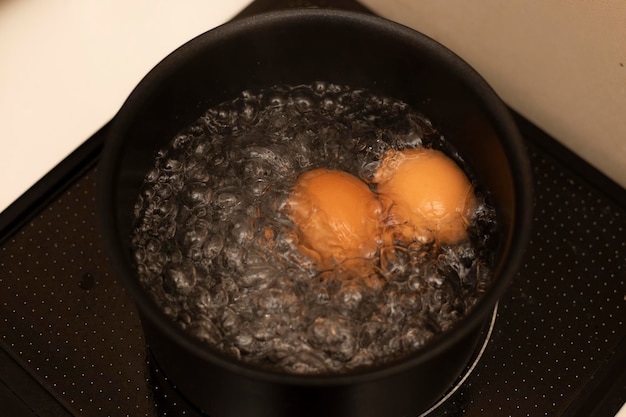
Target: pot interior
[302, 48]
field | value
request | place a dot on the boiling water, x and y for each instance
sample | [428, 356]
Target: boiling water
[216, 249]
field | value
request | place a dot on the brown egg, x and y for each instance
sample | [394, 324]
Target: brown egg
[337, 216]
[426, 194]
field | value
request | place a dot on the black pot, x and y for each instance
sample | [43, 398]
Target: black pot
[301, 47]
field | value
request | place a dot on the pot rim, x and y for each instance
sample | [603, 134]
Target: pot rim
[504, 125]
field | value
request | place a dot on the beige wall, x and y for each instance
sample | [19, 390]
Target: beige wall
[560, 63]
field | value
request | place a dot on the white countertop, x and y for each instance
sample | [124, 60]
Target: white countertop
[67, 66]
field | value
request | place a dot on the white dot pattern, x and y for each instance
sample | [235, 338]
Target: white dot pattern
[72, 325]
[66, 317]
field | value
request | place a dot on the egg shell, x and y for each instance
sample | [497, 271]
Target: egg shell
[337, 215]
[426, 194]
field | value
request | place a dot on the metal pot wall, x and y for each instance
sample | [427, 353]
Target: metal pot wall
[301, 47]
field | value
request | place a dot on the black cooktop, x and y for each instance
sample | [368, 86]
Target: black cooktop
[71, 343]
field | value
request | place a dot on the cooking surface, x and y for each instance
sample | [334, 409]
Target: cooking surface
[72, 327]
[72, 343]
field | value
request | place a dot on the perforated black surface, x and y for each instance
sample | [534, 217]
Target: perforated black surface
[72, 342]
[71, 325]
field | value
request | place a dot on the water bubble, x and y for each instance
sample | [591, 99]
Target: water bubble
[227, 201]
[274, 99]
[171, 165]
[304, 100]
[196, 194]
[230, 321]
[205, 330]
[334, 336]
[242, 231]
[256, 277]
[180, 278]
[212, 246]
[180, 141]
